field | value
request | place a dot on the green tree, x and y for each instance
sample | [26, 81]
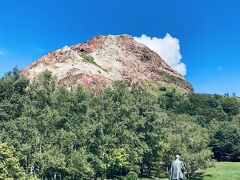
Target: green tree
[9, 164]
[79, 166]
[12, 94]
[226, 141]
[188, 139]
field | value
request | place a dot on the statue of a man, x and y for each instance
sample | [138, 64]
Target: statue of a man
[177, 169]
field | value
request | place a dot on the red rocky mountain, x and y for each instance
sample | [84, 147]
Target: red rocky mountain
[104, 59]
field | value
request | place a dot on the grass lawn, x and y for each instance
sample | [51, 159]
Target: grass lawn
[222, 171]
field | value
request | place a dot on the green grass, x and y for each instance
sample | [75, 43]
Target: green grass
[222, 171]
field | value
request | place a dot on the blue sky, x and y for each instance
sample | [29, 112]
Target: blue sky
[208, 31]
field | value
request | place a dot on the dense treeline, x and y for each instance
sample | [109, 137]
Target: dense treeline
[220, 115]
[57, 134]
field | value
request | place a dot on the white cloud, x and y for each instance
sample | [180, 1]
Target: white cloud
[168, 48]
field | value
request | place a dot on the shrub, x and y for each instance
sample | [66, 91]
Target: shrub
[132, 176]
[162, 88]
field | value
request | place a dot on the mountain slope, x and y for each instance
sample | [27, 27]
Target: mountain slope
[104, 59]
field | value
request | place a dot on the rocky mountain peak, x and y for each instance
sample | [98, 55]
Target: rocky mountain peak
[106, 58]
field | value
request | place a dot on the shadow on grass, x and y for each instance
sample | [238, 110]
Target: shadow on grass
[199, 176]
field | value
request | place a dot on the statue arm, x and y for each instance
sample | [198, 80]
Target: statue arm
[171, 171]
[182, 167]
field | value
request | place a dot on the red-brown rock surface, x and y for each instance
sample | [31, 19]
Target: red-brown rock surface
[104, 59]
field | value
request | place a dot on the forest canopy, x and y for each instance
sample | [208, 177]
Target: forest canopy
[52, 132]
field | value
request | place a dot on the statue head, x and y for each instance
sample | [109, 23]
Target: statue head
[177, 157]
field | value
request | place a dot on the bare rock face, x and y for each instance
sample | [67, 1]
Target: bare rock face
[104, 59]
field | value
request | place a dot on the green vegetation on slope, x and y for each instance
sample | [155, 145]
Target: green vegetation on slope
[161, 88]
[175, 80]
[90, 59]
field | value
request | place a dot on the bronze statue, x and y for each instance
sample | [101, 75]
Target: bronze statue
[177, 169]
